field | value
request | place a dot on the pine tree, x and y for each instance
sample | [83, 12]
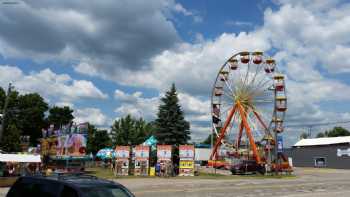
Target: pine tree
[171, 126]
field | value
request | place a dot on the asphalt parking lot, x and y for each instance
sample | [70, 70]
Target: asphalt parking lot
[308, 182]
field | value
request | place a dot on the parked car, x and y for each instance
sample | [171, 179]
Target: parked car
[247, 167]
[67, 186]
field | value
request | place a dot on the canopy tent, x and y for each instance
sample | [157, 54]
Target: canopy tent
[105, 153]
[24, 158]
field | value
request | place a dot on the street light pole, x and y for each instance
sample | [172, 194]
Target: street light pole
[4, 110]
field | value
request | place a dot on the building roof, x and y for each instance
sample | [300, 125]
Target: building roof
[323, 141]
[20, 158]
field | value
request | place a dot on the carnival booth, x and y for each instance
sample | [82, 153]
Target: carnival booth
[122, 160]
[164, 160]
[65, 148]
[141, 160]
[186, 153]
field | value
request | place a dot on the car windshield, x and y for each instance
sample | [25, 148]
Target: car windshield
[105, 191]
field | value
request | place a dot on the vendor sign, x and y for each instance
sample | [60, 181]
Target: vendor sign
[164, 152]
[186, 152]
[142, 152]
[122, 152]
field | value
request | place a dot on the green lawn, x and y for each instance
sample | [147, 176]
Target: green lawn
[106, 173]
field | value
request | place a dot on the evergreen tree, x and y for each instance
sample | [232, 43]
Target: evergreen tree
[130, 131]
[171, 126]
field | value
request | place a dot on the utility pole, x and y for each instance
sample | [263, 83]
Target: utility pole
[4, 110]
[310, 131]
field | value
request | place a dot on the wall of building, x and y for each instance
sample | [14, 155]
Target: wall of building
[305, 156]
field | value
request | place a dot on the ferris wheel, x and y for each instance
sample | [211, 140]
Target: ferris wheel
[248, 96]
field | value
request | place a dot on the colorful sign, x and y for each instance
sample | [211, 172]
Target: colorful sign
[122, 152]
[279, 144]
[142, 152]
[164, 152]
[186, 164]
[186, 152]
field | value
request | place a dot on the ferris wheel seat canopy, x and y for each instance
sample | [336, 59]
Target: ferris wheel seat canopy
[270, 61]
[244, 53]
[278, 77]
[260, 53]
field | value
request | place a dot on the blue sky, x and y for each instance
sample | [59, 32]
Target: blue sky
[112, 58]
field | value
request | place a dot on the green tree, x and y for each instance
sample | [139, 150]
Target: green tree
[60, 116]
[130, 131]
[304, 135]
[97, 139]
[319, 135]
[11, 139]
[171, 126]
[338, 131]
[2, 97]
[31, 115]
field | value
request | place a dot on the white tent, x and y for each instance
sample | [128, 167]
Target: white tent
[25, 158]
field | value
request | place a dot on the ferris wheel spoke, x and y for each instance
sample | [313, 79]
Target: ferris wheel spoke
[229, 86]
[258, 69]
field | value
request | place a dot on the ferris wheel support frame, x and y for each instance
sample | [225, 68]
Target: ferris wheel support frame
[244, 125]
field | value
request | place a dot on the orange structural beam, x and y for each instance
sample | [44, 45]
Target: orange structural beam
[222, 132]
[260, 120]
[238, 143]
[249, 133]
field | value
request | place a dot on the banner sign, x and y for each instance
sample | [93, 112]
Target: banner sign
[279, 144]
[164, 152]
[186, 152]
[122, 152]
[142, 152]
[343, 152]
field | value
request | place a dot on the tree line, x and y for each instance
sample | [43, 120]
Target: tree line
[334, 132]
[27, 114]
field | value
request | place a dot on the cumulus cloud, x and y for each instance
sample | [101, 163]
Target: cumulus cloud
[136, 105]
[108, 33]
[50, 85]
[309, 39]
[91, 115]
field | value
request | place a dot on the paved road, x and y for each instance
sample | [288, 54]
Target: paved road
[308, 183]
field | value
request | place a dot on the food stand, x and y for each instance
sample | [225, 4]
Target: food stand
[141, 160]
[164, 159]
[122, 161]
[186, 153]
[64, 149]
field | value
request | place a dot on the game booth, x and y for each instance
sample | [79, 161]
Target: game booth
[186, 153]
[164, 160]
[64, 149]
[122, 160]
[142, 160]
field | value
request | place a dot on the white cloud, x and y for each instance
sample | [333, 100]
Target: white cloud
[238, 23]
[50, 85]
[135, 105]
[91, 115]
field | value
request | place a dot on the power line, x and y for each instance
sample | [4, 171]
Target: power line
[318, 124]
